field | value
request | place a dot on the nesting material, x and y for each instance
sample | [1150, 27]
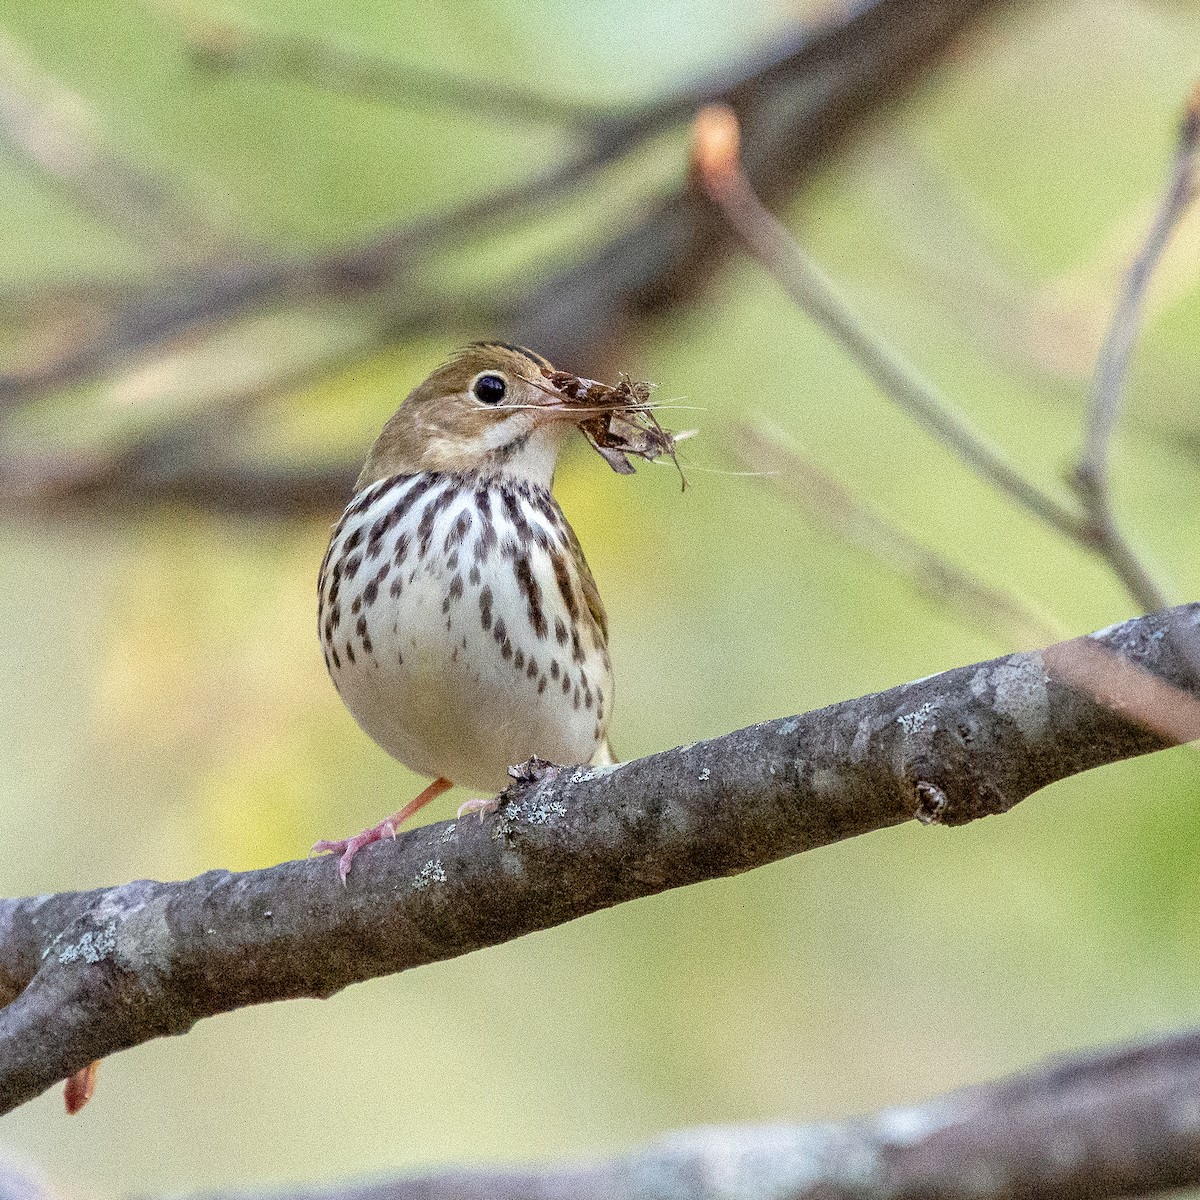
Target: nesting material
[618, 419]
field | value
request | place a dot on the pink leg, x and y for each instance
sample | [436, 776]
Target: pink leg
[349, 847]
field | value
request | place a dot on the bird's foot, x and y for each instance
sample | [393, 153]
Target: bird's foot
[531, 771]
[483, 807]
[347, 848]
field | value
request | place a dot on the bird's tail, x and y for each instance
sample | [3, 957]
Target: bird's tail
[604, 756]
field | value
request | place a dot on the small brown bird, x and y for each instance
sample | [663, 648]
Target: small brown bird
[459, 619]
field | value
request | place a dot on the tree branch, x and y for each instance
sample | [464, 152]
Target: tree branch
[49, 128]
[87, 974]
[1108, 383]
[1092, 474]
[717, 157]
[717, 161]
[1121, 1123]
[224, 44]
[797, 107]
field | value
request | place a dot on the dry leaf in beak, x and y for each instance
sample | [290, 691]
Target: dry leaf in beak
[619, 421]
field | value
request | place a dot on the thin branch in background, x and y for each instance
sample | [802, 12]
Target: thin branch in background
[830, 506]
[386, 265]
[1108, 384]
[168, 469]
[48, 127]
[209, 303]
[214, 298]
[1118, 1123]
[717, 161]
[799, 100]
[1119, 684]
[228, 45]
[1092, 475]
[202, 395]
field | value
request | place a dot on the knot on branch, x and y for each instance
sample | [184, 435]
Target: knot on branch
[939, 766]
[931, 803]
[947, 787]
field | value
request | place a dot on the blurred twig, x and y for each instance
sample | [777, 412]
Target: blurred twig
[717, 162]
[50, 128]
[205, 303]
[210, 392]
[83, 975]
[796, 113]
[831, 505]
[172, 469]
[1120, 684]
[1097, 1126]
[1119, 1123]
[798, 103]
[1092, 474]
[1115, 1123]
[227, 45]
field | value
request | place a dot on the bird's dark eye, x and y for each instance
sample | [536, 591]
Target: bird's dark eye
[489, 388]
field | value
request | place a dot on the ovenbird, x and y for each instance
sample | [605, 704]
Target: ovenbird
[459, 619]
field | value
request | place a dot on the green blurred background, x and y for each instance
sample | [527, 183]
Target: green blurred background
[164, 708]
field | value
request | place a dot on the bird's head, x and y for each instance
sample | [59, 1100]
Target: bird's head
[492, 408]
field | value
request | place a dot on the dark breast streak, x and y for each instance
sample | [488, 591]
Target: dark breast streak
[479, 537]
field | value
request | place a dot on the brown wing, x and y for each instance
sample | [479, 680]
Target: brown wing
[591, 593]
[604, 755]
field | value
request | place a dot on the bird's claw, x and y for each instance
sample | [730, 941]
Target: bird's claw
[482, 807]
[348, 848]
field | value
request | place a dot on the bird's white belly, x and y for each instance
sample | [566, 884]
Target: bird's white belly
[448, 636]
